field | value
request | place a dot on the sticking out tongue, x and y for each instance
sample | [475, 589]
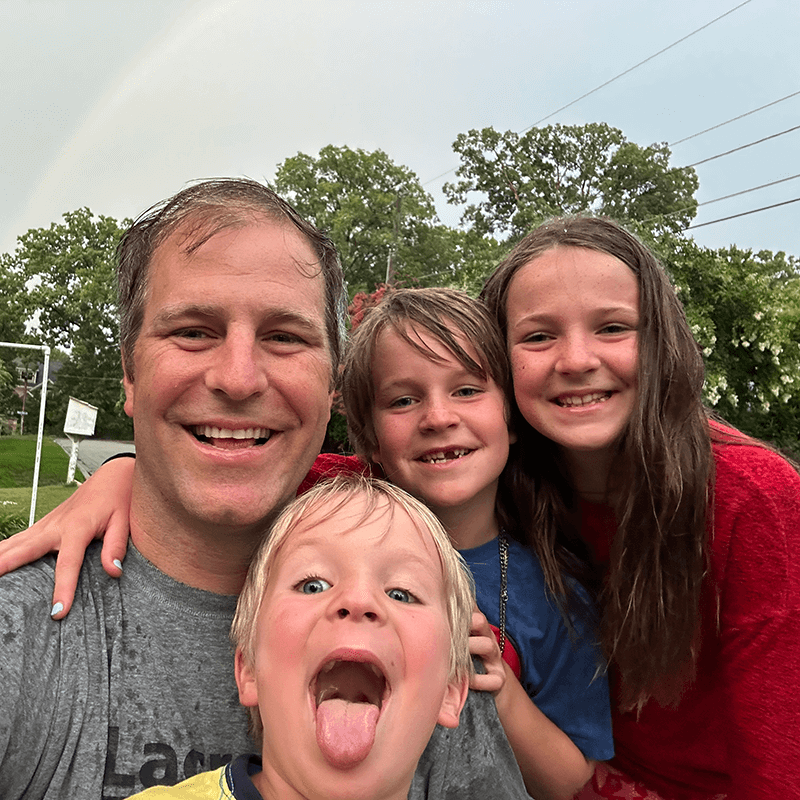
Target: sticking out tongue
[346, 731]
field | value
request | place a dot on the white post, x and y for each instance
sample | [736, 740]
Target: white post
[73, 456]
[40, 436]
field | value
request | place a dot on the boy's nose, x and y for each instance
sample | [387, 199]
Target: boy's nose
[345, 612]
[439, 414]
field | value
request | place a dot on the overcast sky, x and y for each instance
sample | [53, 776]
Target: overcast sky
[115, 104]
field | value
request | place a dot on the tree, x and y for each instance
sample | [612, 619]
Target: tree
[381, 220]
[567, 169]
[70, 302]
[744, 309]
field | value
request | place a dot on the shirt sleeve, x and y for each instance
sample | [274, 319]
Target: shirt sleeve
[757, 571]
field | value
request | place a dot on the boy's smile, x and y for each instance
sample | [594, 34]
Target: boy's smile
[352, 651]
[441, 430]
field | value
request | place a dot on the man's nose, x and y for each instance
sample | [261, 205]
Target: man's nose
[239, 368]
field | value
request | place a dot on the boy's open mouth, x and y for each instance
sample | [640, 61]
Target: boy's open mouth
[442, 456]
[349, 696]
[230, 439]
[352, 681]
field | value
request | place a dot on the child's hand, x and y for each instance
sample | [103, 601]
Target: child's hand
[99, 508]
[482, 643]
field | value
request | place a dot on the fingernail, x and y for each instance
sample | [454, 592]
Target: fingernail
[117, 563]
[56, 609]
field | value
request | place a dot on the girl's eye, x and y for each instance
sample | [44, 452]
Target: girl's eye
[614, 327]
[467, 391]
[313, 586]
[402, 596]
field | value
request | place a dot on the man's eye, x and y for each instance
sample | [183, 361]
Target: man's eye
[313, 586]
[402, 596]
[191, 333]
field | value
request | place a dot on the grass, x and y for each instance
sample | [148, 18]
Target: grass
[17, 455]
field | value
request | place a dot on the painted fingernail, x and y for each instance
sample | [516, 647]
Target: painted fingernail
[56, 609]
[117, 563]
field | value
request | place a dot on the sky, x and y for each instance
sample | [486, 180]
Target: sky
[117, 104]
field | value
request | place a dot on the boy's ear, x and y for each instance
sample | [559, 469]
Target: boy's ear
[454, 698]
[245, 680]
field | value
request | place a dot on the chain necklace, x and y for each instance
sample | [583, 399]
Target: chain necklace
[502, 543]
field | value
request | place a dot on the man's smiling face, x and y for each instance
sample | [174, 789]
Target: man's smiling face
[352, 654]
[230, 394]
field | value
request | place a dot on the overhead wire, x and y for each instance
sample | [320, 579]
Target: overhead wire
[611, 80]
[744, 146]
[733, 119]
[743, 214]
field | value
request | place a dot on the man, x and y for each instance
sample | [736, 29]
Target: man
[231, 331]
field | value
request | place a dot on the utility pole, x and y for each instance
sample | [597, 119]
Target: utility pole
[393, 250]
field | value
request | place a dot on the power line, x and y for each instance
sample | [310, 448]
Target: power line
[747, 191]
[611, 80]
[744, 146]
[636, 66]
[743, 214]
[727, 121]
[725, 197]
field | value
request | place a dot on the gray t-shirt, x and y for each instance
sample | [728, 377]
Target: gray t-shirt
[135, 688]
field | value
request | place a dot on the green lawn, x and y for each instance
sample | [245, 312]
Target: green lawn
[17, 455]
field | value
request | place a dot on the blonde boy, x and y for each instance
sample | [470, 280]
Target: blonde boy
[351, 640]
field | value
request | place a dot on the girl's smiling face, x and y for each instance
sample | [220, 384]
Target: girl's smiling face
[573, 317]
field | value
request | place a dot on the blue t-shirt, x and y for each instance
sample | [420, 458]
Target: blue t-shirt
[563, 676]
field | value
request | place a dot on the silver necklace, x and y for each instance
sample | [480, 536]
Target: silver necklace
[502, 543]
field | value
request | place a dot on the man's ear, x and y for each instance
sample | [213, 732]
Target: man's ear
[454, 698]
[127, 383]
[245, 680]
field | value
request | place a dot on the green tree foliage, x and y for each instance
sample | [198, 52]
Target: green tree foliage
[68, 269]
[567, 169]
[374, 210]
[744, 309]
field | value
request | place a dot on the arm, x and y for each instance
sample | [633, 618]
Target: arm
[754, 558]
[551, 764]
[98, 508]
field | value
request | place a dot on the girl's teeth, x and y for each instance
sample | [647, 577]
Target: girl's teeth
[585, 400]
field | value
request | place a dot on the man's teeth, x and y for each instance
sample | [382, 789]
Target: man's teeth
[444, 455]
[583, 400]
[210, 432]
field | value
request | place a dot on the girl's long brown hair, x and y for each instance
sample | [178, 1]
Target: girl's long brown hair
[659, 483]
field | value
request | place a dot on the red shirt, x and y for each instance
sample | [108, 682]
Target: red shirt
[736, 730]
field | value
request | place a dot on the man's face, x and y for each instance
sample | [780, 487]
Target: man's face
[351, 655]
[231, 388]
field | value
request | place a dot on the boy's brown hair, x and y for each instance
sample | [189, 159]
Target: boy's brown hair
[445, 314]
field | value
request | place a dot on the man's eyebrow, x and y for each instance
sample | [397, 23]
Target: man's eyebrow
[277, 316]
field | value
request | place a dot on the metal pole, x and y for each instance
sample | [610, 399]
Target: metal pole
[40, 437]
[42, 402]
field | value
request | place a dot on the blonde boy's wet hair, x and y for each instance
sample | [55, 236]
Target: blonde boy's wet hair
[325, 500]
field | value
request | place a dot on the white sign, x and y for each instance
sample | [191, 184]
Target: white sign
[81, 418]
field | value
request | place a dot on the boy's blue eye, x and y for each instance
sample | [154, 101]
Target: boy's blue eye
[401, 595]
[314, 586]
